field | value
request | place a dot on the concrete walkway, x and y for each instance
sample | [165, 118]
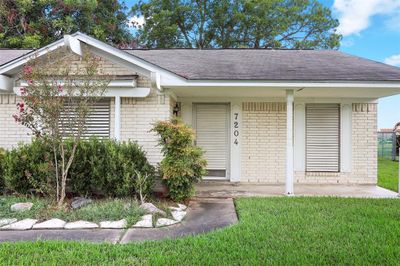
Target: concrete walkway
[204, 215]
[216, 189]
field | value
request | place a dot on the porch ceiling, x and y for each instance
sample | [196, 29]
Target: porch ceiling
[272, 92]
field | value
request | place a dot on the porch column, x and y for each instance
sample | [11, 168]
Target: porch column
[117, 118]
[289, 143]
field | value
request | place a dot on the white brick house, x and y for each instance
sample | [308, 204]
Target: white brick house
[264, 116]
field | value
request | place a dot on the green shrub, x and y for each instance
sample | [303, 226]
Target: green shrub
[29, 168]
[104, 167]
[2, 155]
[109, 168]
[183, 164]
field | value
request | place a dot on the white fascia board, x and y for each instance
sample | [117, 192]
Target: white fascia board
[149, 67]
[124, 92]
[36, 53]
[117, 83]
[113, 92]
[279, 84]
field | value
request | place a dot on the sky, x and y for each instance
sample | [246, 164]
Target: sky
[370, 29]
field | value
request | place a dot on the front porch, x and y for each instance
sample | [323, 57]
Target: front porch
[216, 189]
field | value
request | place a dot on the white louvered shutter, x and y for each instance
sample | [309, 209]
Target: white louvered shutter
[322, 137]
[98, 121]
[212, 136]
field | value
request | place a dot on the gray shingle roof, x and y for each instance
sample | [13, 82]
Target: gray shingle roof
[261, 64]
[7, 55]
[258, 64]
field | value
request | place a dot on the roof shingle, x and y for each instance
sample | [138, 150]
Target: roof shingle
[257, 64]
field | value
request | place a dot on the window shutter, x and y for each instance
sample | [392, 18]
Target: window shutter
[322, 137]
[98, 121]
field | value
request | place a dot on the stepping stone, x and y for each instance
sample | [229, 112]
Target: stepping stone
[178, 215]
[165, 222]
[151, 208]
[180, 207]
[81, 225]
[114, 224]
[4, 222]
[79, 202]
[50, 224]
[146, 221]
[25, 224]
[22, 206]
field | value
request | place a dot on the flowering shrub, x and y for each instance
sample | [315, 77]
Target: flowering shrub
[183, 164]
[56, 98]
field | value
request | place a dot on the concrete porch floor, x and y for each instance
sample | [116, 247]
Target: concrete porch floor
[218, 189]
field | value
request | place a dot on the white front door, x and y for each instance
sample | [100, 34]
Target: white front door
[211, 122]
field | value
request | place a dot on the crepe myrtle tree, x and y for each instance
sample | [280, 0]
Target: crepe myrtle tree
[56, 96]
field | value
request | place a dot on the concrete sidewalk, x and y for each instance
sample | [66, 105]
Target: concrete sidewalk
[216, 189]
[204, 215]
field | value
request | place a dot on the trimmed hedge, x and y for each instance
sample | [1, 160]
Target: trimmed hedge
[104, 167]
[2, 155]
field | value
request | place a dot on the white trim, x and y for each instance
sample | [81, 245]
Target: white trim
[236, 141]
[6, 83]
[73, 44]
[346, 140]
[36, 53]
[282, 84]
[187, 112]
[113, 92]
[299, 137]
[155, 80]
[289, 143]
[121, 83]
[117, 118]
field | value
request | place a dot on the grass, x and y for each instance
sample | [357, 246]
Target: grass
[280, 231]
[99, 210]
[388, 174]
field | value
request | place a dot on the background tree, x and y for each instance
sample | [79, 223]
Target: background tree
[36, 23]
[55, 105]
[236, 23]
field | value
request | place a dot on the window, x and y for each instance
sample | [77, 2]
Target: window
[322, 137]
[98, 121]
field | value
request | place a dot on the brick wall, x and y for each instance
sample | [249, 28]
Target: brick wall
[364, 152]
[137, 117]
[263, 142]
[11, 133]
[365, 143]
[137, 114]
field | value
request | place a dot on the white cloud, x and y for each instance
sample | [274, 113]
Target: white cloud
[393, 60]
[354, 15]
[136, 21]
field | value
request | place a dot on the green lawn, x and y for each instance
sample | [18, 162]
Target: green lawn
[388, 174]
[284, 231]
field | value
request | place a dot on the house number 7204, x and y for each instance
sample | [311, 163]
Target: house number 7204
[236, 128]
